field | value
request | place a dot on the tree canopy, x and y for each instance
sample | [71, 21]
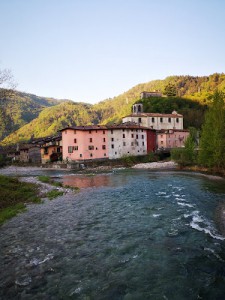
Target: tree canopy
[212, 142]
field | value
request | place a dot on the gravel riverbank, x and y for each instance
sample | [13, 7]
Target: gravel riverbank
[157, 165]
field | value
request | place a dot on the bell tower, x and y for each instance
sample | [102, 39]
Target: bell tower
[138, 108]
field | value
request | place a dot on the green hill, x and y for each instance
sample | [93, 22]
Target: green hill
[52, 119]
[191, 94]
[20, 109]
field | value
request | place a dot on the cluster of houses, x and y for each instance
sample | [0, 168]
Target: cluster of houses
[139, 134]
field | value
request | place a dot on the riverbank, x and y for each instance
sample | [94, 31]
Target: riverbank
[16, 193]
[157, 165]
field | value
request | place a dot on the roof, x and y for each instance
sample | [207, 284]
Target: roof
[43, 140]
[127, 125]
[84, 128]
[155, 115]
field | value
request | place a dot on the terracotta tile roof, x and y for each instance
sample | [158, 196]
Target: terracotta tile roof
[138, 115]
[127, 125]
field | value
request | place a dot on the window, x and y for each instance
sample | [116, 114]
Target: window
[104, 154]
[90, 140]
[161, 120]
[124, 143]
[169, 120]
[139, 120]
[142, 136]
[132, 143]
[75, 148]
[74, 131]
[58, 150]
[123, 130]
[136, 136]
[103, 139]
[75, 141]
[137, 143]
[112, 131]
[112, 139]
[103, 131]
[90, 131]
[142, 130]
[112, 146]
[143, 143]
[70, 149]
[132, 135]
[80, 155]
[91, 154]
[90, 147]
[177, 120]
[153, 120]
[103, 147]
[123, 135]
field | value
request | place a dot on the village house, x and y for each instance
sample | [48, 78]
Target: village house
[172, 138]
[106, 142]
[169, 127]
[130, 139]
[150, 94]
[51, 148]
[155, 120]
[24, 152]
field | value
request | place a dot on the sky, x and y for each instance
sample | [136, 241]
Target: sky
[91, 50]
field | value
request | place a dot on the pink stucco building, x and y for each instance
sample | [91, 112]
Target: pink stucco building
[171, 138]
[84, 142]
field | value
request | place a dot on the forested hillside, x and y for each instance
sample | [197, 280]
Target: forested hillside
[53, 119]
[19, 109]
[188, 95]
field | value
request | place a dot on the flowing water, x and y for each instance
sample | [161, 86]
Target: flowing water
[128, 234]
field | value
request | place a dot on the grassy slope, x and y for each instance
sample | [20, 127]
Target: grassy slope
[13, 196]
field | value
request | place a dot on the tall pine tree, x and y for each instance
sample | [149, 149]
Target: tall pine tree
[212, 142]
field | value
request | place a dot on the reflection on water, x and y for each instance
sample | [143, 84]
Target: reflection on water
[98, 180]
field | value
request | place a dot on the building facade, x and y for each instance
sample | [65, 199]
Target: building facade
[150, 94]
[106, 142]
[168, 139]
[155, 120]
[51, 149]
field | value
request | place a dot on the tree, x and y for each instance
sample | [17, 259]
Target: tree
[212, 142]
[7, 83]
[170, 90]
[185, 156]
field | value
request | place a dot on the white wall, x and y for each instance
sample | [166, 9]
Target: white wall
[134, 142]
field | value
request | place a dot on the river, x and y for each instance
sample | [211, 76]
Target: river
[128, 234]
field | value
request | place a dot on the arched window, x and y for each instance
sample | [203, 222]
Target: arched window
[139, 108]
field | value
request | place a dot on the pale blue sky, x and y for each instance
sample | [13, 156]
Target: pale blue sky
[90, 50]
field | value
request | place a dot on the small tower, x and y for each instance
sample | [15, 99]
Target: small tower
[138, 108]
